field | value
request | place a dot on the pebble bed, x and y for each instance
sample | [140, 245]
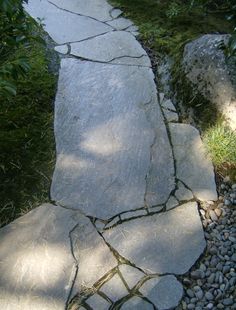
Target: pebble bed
[211, 283]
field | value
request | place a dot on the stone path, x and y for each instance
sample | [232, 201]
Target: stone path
[123, 220]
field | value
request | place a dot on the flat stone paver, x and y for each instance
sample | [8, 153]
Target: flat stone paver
[137, 303]
[64, 26]
[104, 139]
[165, 292]
[97, 302]
[114, 288]
[36, 263]
[131, 275]
[119, 47]
[169, 242]
[192, 165]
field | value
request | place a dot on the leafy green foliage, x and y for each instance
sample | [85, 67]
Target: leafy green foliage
[26, 137]
[16, 31]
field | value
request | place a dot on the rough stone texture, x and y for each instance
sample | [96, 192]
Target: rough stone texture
[121, 23]
[63, 49]
[131, 275]
[165, 292]
[94, 257]
[115, 13]
[168, 242]
[171, 203]
[97, 302]
[171, 116]
[182, 193]
[116, 47]
[137, 303]
[64, 26]
[114, 288]
[167, 104]
[36, 263]
[104, 138]
[99, 9]
[206, 68]
[193, 167]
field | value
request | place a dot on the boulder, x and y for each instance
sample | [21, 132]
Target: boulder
[210, 74]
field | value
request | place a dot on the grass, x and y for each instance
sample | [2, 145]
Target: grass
[168, 36]
[26, 139]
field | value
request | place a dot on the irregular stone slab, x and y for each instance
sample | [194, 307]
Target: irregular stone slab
[171, 203]
[171, 116]
[99, 9]
[114, 288]
[168, 242]
[132, 28]
[183, 193]
[137, 303]
[161, 175]
[104, 138]
[97, 302]
[131, 275]
[63, 49]
[167, 104]
[115, 13]
[120, 23]
[63, 26]
[165, 292]
[193, 167]
[93, 255]
[156, 209]
[36, 263]
[112, 47]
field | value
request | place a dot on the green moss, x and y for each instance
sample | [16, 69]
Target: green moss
[26, 139]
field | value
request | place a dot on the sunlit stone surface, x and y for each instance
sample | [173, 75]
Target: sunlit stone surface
[137, 303]
[99, 9]
[36, 263]
[192, 164]
[104, 128]
[116, 47]
[120, 23]
[168, 242]
[64, 26]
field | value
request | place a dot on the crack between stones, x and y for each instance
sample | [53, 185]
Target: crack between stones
[82, 15]
[110, 61]
[76, 266]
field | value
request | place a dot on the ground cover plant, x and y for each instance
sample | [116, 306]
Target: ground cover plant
[27, 89]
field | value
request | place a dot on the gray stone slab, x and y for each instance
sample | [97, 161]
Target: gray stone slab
[165, 292]
[137, 303]
[64, 26]
[63, 49]
[114, 288]
[193, 166]
[116, 13]
[168, 242]
[171, 116]
[171, 203]
[104, 133]
[120, 23]
[182, 193]
[97, 302]
[131, 275]
[161, 174]
[119, 47]
[167, 104]
[36, 263]
[93, 255]
[99, 9]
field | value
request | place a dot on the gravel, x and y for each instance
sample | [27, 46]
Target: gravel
[210, 284]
